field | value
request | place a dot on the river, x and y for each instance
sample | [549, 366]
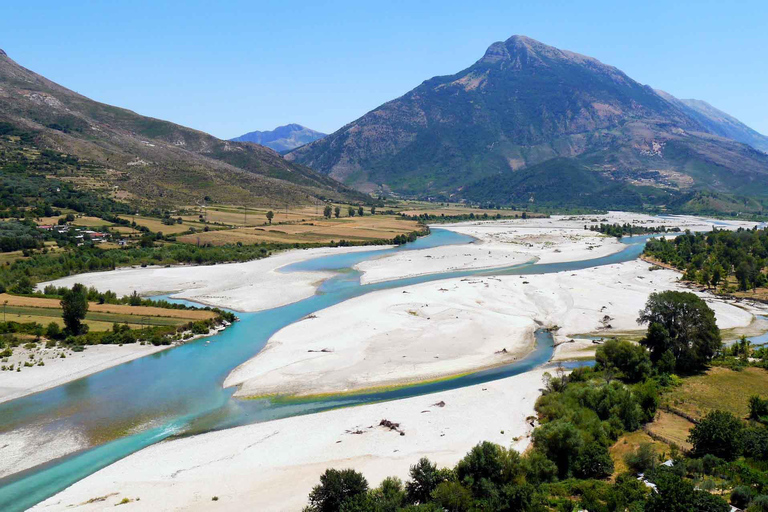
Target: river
[179, 391]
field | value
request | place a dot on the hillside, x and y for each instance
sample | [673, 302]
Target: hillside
[524, 103]
[720, 123]
[282, 138]
[146, 159]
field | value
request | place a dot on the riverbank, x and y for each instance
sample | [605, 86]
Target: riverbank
[251, 286]
[274, 465]
[441, 329]
[503, 243]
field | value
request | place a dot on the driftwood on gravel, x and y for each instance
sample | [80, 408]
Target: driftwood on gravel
[391, 426]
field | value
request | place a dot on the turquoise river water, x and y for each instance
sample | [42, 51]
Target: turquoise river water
[179, 391]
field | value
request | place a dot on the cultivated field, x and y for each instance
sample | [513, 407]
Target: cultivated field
[100, 317]
[357, 229]
[719, 388]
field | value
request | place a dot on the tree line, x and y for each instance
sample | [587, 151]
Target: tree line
[710, 258]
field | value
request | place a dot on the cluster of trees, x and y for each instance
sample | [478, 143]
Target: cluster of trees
[19, 235]
[682, 332]
[709, 258]
[335, 211]
[619, 230]
[431, 217]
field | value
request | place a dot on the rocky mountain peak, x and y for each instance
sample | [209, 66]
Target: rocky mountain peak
[2, 53]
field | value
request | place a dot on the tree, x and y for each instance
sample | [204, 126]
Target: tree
[425, 477]
[270, 216]
[593, 461]
[351, 211]
[337, 211]
[74, 306]
[718, 434]
[631, 360]
[360, 211]
[373, 210]
[561, 442]
[335, 488]
[683, 323]
[758, 408]
[328, 211]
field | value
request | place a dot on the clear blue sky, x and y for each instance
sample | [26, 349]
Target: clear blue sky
[230, 67]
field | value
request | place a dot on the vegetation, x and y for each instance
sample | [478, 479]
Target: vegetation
[74, 306]
[620, 230]
[712, 258]
[682, 332]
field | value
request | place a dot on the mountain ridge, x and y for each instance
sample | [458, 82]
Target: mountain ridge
[283, 138]
[523, 103]
[153, 160]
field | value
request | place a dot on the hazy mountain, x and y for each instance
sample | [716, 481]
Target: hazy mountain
[151, 159]
[282, 138]
[720, 123]
[524, 103]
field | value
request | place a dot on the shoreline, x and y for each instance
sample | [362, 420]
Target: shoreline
[176, 474]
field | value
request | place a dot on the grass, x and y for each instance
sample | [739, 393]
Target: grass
[156, 225]
[359, 229]
[628, 443]
[672, 427]
[719, 388]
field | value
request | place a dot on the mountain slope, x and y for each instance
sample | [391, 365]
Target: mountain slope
[718, 122]
[282, 138]
[524, 103]
[151, 159]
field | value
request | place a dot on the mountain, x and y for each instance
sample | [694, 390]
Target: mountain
[718, 122]
[148, 159]
[524, 103]
[282, 138]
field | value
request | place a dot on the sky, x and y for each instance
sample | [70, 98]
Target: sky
[231, 67]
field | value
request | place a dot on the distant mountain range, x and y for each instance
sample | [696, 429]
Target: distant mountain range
[531, 123]
[282, 138]
[151, 160]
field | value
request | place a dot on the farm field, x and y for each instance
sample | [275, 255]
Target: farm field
[357, 229]
[100, 317]
[719, 388]
[628, 443]
[156, 225]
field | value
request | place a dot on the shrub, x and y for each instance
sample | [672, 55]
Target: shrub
[741, 496]
[759, 504]
[643, 459]
[633, 361]
[593, 461]
[718, 434]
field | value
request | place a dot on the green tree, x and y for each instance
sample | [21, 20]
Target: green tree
[561, 442]
[351, 211]
[453, 497]
[74, 305]
[425, 477]
[683, 323]
[270, 216]
[360, 211]
[718, 434]
[593, 461]
[373, 210]
[337, 211]
[335, 488]
[633, 361]
[328, 211]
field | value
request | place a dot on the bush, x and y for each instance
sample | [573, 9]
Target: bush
[718, 434]
[633, 361]
[741, 496]
[643, 459]
[759, 504]
[758, 408]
